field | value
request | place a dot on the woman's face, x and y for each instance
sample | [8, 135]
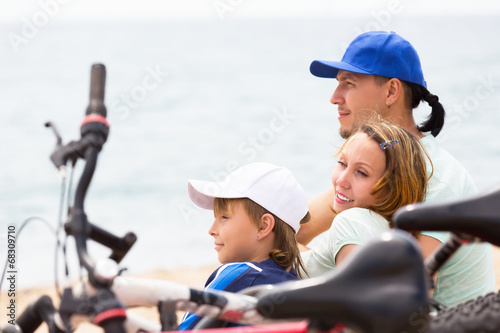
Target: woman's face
[361, 164]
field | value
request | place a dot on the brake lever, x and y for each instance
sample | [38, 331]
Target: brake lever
[58, 157]
[56, 133]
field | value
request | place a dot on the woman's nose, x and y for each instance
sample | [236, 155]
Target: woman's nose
[343, 180]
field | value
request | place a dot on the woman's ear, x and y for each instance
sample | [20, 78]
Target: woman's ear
[266, 225]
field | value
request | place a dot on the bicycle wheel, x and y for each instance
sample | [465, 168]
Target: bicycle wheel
[480, 315]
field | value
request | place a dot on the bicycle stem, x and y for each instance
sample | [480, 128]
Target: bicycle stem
[79, 222]
[434, 262]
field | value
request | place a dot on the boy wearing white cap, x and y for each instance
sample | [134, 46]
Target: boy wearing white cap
[258, 209]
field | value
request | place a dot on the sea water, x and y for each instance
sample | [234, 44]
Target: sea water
[193, 99]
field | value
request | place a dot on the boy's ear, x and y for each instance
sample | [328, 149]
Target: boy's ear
[266, 225]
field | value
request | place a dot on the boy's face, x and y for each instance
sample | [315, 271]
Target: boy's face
[235, 235]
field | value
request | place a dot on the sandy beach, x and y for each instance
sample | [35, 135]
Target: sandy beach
[194, 278]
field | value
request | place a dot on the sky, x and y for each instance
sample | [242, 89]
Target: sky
[15, 10]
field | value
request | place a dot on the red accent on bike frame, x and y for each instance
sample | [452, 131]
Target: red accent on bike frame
[293, 327]
[108, 314]
[232, 316]
[95, 118]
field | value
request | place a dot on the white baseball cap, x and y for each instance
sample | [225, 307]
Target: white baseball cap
[272, 187]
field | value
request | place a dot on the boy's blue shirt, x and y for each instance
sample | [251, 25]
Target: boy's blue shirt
[237, 276]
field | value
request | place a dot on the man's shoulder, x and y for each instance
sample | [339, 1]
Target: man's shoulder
[450, 180]
[436, 151]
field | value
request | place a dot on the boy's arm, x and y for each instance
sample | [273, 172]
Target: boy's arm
[322, 214]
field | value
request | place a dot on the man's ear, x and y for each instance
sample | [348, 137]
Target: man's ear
[394, 91]
[266, 225]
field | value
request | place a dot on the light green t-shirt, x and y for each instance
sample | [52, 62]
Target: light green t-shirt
[469, 273]
[352, 226]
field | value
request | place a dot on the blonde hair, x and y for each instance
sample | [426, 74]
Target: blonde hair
[286, 252]
[405, 177]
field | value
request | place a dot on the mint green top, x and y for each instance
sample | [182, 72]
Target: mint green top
[469, 273]
[352, 226]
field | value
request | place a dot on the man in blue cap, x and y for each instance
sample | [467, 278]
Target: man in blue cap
[380, 73]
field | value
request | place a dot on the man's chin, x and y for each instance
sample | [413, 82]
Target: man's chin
[345, 133]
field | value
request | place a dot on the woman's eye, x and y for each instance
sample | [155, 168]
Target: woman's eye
[342, 163]
[362, 173]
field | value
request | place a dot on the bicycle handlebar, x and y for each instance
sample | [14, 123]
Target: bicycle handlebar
[35, 314]
[97, 85]
[94, 132]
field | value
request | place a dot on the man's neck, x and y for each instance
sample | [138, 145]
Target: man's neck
[404, 118]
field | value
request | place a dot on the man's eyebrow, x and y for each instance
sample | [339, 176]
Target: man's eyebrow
[346, 76]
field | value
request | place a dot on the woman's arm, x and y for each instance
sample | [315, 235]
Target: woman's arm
[428, 245]
[344, 252]
[322, 215]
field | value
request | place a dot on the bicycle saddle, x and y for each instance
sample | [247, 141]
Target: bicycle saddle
[381, 287]
[478, 216]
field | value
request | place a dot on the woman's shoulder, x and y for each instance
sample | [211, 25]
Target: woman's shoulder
[360, 217]
[358, 212]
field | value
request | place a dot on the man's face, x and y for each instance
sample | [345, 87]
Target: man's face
[358, 97]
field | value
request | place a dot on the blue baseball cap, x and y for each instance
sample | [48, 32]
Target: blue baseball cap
[376, 53]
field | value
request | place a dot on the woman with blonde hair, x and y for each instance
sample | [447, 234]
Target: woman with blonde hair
[380, 168]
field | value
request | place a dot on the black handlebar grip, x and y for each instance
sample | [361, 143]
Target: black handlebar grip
[35, 314]
[97, 84]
